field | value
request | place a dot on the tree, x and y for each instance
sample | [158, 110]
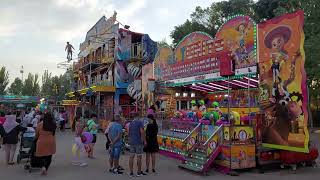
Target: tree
[47, 86]
[31, 85]
[182, 30]
[16, 87]
[56, 86]
[4, 80]
[211, 18]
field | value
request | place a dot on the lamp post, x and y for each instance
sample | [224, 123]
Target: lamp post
[21, 71]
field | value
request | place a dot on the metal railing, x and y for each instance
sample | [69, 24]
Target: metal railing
[214, 140]
[191, 139]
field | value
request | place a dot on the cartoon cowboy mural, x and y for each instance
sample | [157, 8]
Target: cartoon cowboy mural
[275, 40]
[242, 28]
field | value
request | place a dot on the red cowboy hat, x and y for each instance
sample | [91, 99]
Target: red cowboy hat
[283, 31]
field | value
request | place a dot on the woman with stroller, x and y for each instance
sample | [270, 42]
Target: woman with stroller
[10, 130]
[46, 143]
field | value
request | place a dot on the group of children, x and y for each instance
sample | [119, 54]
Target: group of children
[79, 149]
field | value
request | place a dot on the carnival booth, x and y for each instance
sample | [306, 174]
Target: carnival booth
[235, 99]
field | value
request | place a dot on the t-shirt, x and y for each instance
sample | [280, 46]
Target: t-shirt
[34, 122]
[114, 131]
[134, 132]
[92, 126]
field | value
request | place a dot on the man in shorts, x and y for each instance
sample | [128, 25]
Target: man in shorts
[115, 137]
[136, 143]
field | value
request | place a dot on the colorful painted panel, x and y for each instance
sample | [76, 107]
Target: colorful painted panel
[243, 156]
[283, 90]
[160, 61]
[194, 56]
[147, 73]
[238, 35]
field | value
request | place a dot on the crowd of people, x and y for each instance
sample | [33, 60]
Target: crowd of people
[142, 139]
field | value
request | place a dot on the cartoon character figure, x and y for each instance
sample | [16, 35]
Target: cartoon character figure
[202, 107]
[295, 111]
[242, 51]
[275, 40]
[194, 107]
[216, 108]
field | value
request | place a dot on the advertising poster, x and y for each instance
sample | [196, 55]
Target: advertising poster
[283, 90]
[238, 35]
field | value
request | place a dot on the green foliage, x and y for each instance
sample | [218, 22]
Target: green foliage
[4, 80]
[55, 86]
[16, 87]
[209, 19]
[31, 85]
[185, 29]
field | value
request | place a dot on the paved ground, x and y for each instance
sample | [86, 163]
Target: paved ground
[167, 168]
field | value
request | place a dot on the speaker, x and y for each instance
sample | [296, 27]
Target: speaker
[227, 64]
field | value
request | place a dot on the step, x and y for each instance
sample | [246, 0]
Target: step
[202, 150]
[190, 167]
[196, 160]
[198, 155]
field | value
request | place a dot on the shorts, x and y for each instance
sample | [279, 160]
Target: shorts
[136, 149]
[115, 152]
[62, 123]
[94, 140]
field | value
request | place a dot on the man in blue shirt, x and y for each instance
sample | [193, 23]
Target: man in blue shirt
[136, 142]
[115, 136]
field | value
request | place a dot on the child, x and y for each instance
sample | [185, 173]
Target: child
[78, 147]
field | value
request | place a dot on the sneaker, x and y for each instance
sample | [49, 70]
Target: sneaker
[110, 170]
[147, 171]
[141, 174]
[131, 175]
[116, 171]
[153, 170]
[120, 168]
[83, 164]
[75, 163]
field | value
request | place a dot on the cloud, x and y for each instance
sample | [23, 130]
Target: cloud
[8, 30]
[164, 12]
[33, 33]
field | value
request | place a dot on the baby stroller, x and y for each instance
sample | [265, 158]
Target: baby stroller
[33, 161]
[26, 140]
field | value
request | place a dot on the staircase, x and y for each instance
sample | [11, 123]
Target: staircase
[202, 154]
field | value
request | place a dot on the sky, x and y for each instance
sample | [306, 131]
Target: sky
[33, 33]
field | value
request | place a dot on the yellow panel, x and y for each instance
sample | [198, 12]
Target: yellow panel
[104, 88]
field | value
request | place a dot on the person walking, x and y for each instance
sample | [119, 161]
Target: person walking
[10, 130]
[35, 121]
[116, 143]
[78, 148]
[152, 146]
[2, 120]
[46, 143]
[2, 117]
[62, 121]
[136, 143]
[93, 129]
